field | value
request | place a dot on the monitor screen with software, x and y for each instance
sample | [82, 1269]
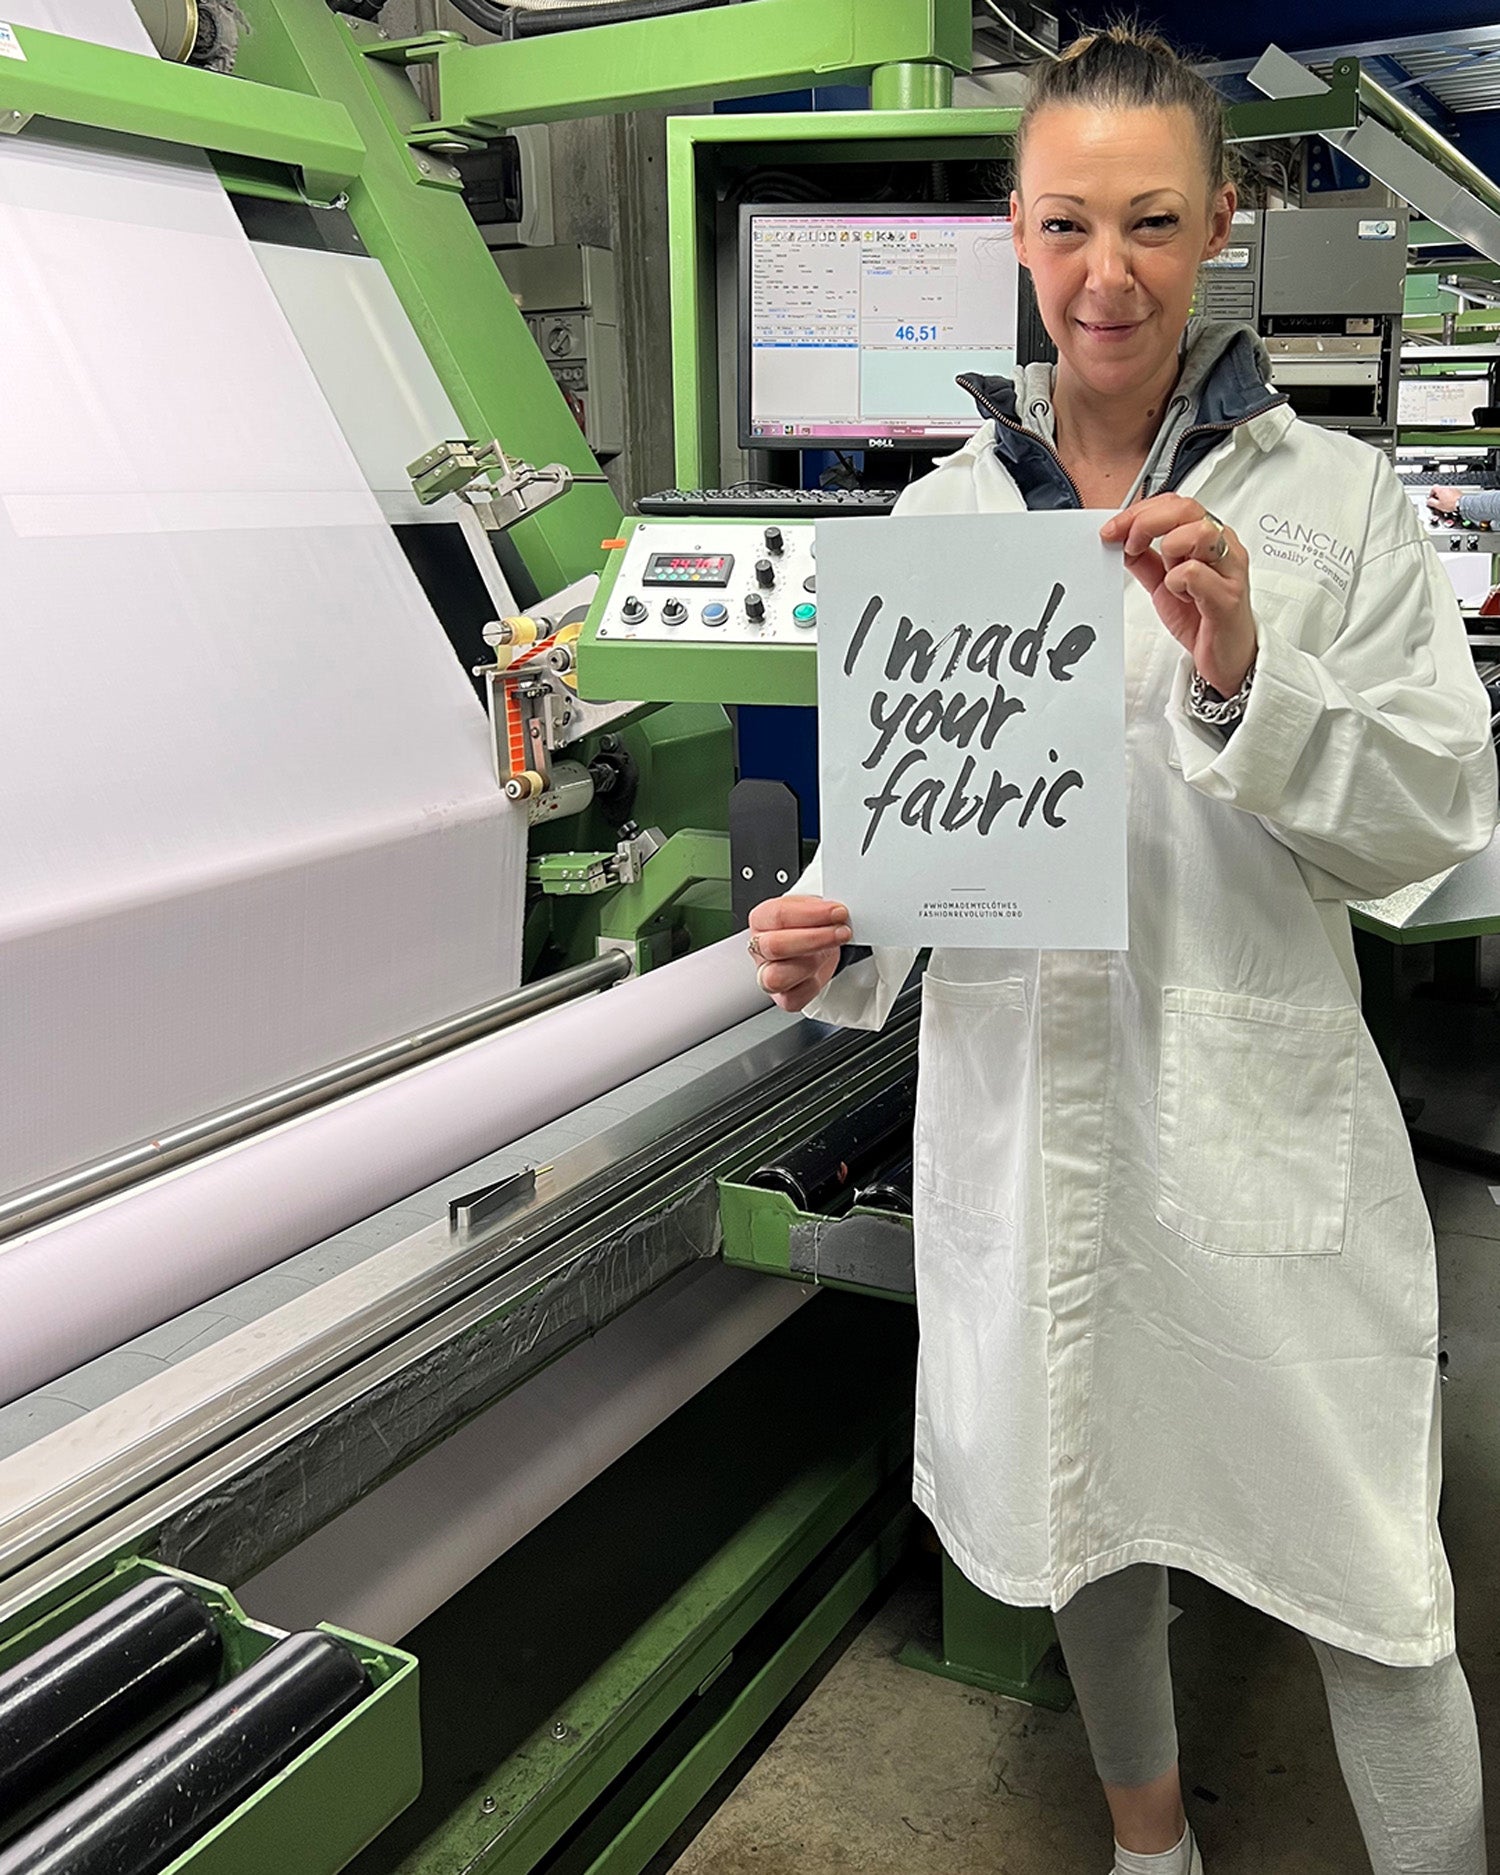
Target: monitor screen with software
[855, 321]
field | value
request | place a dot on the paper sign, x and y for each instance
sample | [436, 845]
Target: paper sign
[971, 703]
[10, 46]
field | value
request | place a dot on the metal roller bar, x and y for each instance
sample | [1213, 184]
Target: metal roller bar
[139, 1816]
[818, 1172]
[132, 1165]
[93, 1692]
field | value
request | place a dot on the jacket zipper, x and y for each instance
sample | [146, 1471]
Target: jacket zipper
[1208, 429]
[1197, 429]
[1021, 430]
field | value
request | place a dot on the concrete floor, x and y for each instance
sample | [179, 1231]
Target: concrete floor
[883, 1771]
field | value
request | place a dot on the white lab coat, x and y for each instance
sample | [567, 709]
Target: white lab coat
[1174, 1270]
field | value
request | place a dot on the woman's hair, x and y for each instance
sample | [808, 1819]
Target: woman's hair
[1122, 66]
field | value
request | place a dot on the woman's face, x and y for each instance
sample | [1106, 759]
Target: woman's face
[1113, 215]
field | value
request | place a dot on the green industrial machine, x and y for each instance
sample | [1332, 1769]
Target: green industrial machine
[635, 1643]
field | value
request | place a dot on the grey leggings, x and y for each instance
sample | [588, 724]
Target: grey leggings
[1406, 1737]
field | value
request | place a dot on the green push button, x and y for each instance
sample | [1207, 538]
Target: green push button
[805, 614]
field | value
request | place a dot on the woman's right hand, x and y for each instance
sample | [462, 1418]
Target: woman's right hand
[797, 942]
[1444, 500]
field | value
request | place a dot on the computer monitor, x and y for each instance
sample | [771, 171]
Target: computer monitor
[1440, 403]
[855, 319]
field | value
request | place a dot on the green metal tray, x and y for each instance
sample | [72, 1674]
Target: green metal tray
[317, 1814]
[757, 1230]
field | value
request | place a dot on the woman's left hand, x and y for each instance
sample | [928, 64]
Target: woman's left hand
[1198, 575]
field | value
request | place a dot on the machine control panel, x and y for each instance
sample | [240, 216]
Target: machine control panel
[715, 582]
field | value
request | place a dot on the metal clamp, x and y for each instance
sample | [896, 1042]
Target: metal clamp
[501, 489]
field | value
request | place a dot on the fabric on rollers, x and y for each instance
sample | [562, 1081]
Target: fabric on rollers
[270, 837]
[91, 1693]
[139, 1816]
[83, 1284]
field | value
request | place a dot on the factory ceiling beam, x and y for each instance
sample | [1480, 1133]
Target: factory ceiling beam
[50, 76]
[722, 52]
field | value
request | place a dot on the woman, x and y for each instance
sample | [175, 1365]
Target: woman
[1175, 1272]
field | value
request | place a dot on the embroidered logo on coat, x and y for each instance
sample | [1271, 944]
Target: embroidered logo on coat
[1294, 543]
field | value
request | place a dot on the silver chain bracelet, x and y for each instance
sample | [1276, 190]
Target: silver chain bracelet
[1208, 706]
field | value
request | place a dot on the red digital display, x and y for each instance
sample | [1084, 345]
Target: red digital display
[688, 569]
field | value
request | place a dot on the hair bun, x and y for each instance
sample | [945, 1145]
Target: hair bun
[1124, 67]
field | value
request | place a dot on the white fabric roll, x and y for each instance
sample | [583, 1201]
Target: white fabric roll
[86, 1283]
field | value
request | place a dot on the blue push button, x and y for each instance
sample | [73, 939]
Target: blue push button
[714, 613]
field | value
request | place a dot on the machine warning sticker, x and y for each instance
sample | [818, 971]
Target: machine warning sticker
[10, 46]
[1382, 230]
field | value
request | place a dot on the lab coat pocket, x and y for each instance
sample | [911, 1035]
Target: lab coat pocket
[970, 1091]
[1255, 1123]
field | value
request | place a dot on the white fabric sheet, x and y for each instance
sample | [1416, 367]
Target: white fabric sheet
[247, 819]
[86, 1283]
[404, 1550]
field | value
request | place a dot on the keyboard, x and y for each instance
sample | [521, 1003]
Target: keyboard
[1446, 475]
[756, 501]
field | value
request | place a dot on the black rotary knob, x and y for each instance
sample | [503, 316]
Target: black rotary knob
[755, 607]
[632, 611]
[765, 573]
[673, 612]
[774, 541]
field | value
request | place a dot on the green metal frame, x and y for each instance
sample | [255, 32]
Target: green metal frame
[1444, 439]
[693, 143]
[989, 1644]
[684, 757]
[640, 916]
[1338, 108]
[776, 45]
[331, 1801]
[757, 1227]
[74, 81]
[408, 210]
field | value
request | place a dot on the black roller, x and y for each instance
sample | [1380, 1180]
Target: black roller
[139, 1815]
[889, 1188]
[825, 1166]
[96, 1690]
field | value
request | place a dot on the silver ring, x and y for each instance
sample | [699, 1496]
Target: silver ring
[1219, 557]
